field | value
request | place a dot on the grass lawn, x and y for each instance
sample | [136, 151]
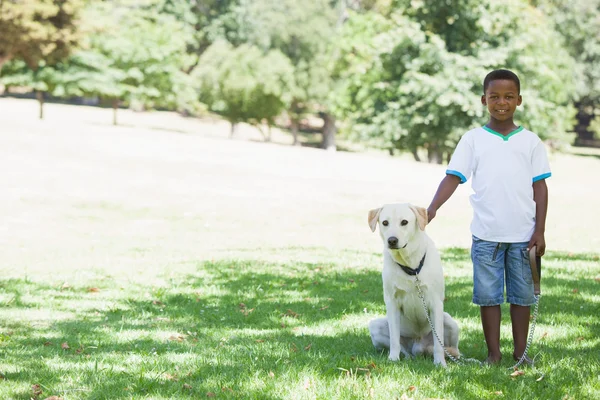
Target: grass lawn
[160, 260]
[251, 329]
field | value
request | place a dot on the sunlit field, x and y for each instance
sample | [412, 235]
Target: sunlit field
[160, 259]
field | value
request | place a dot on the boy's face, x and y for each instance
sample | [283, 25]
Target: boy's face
[501, 98]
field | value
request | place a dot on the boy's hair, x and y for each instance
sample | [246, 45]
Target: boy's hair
[501, 74]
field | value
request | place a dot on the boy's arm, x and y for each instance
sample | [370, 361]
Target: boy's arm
[447, 187]
[540, 196]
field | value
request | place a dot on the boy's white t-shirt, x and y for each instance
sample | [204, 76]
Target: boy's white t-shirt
[503, 169]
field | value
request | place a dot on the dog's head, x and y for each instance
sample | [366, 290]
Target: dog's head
[398, 223]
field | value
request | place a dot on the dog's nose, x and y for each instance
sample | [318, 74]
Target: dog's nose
[393, 241]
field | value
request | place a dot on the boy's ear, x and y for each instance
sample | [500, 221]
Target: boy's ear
[519, 100]
[483, 100]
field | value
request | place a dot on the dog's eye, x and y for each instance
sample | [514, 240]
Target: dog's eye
[385, 223]
[404, 222]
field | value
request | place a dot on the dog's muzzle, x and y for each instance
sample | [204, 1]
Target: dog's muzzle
[393, 243]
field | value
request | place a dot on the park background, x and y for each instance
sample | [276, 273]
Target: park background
[185, 191]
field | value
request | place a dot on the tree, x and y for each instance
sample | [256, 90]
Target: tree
[141, 56]
[402, 89]
[34, 30]
[83, 73]
[200, 17]
[131, 54]
[578, 22]
[304, 33]
[244, 84]
[548, 73]
[405, 87]
[42, 80]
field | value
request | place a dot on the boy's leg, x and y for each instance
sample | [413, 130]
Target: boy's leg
[490, 320]
[519, 316]
[488, 290]
[519, 293]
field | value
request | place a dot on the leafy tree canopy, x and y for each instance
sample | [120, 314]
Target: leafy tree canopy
[33, 30]
[406, 87]
[244, 84]
[142, 53]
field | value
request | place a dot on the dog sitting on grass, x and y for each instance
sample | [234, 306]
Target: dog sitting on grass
[408, 252]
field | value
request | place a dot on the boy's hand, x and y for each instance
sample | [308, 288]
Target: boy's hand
[537, 239]
[447, 186]
[430, 214]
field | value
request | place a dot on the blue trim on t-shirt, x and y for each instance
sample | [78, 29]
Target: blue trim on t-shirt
[456, 173]
[542, 176]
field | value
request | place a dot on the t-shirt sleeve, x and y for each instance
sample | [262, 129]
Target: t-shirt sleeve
[539, 161]
[461, 163]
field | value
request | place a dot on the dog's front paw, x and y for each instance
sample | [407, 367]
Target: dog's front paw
[441, 362]
[395, 355]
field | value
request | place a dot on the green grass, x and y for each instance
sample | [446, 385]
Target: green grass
[252, 328]
[188, 239]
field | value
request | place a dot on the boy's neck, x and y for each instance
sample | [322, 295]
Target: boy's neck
[502, 127]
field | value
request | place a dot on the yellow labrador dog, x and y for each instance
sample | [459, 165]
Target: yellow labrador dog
[408, 251]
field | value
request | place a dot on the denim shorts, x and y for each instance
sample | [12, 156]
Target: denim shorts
[495, 263]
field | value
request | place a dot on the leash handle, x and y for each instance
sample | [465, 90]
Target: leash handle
[535, 263]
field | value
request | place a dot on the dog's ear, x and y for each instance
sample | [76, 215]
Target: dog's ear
[373, 218]
[421, 214]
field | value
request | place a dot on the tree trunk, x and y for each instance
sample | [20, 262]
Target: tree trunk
[294, 124]
[434, 154]
[39, 95]
[115, 106]
[266, 137]
[416, 155]
[3, 60]
[294, 113]
[233, 129]
[329, 130]
[583, 118]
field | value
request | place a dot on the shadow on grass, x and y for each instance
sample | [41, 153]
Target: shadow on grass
[233, 323]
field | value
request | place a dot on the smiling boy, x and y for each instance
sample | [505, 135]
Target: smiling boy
[509, 166]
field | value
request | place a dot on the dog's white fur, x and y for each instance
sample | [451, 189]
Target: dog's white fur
[406, 329]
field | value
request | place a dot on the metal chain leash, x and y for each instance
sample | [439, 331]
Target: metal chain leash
[530, 338]
[473, 360]
[450, 356]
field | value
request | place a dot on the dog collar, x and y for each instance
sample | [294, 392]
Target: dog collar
[411, 271]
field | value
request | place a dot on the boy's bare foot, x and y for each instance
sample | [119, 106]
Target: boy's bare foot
[492, 360]
[527, 360]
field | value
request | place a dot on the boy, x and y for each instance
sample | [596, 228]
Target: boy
[509, 166]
